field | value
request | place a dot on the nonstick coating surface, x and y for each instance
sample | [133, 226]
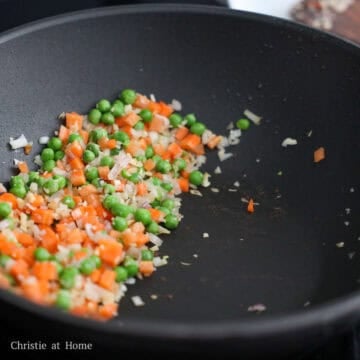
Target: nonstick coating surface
[218, 63]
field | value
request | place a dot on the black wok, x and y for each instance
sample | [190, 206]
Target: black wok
[218, 63]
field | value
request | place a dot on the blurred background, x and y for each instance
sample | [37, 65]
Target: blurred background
[341, 17]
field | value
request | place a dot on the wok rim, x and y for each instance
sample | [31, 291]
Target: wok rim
[342, 310]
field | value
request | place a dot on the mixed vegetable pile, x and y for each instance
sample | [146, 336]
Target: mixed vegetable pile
[75, 232]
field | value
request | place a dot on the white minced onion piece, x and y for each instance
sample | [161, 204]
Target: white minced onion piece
[206, 235]
[253, 117]
[230, 126]
[155, 239]
[137, 301]
[289, 142]
[207, 136]
[237, 184]
[4, 224]
[215, 190]
[19, 142]
[43, 140]
[2, 188]
[152, 97]
[217, 170]
[195, 192]
[206, 182]
[176, 105]
[234, 137]
[17, 162]
[257, 308]
[163, 230]
[224, 155]
[158, 261]
[58, 171]
[37, 160]
[34, 187]
[130, 281]
[127, 108]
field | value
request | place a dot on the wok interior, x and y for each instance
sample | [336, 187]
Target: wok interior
[283, 255]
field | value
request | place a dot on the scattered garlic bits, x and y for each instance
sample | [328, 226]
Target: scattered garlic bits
[19, 142]
[289, 142]
[256, 119]
[257, 308]
[319, 154]
[137, 301]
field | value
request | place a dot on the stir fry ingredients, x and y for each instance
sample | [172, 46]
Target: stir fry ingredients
[76, 231]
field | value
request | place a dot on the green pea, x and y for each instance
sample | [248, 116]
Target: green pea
[179, 164]
[139, 125]
[109, 201]
[121, 274]
[149, 152]
[55, 143]
[11, 223]
[88, 156]
[141, 158]
[94, 116]
[97, 134]
[91, 173]
[11, 279]
[171, 221]
[121, 136]
[107, 118]
[74, 137]
[59, 155]
[157, 158]
[97, 182]
[121, 210]
[119, 223]
[118, 109]
[168, 203]
[143, 215]
[41, 254]
[109, 189]
[17, 181]
[18, 191]
[128, 96]
[96, 260]
[67, 277]
[153, 228]
[190, 119]
[156, 181]
[107, 161]
[4, 259]
[33, 176]
[196, 177]
[147, 255]
[175, 120]
[163, 166]
[87, 266]
[94, 148]
[146, 115]
[198, 128]
[114, 152]
[167, 186]
[51, 187]
[243, 124]
[63, 300]
[49, 165]
[69, 201]
[47, 154]
[103, 105]
[165, 210]
[135, 178]
[131, 267]
[5, 210]
[61, 180]
[59, 267]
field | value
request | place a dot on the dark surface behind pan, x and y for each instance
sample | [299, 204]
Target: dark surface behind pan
[218, 62]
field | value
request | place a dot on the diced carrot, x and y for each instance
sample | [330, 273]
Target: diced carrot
[74, 150]
[79, 255]
[28, 255]
[141, 101]
[154, 107]
[181, 132]
[43, 216]
[199, 150]
[6, 247]
[165, 109]
[111, 144]
[103, 172]
[75, 236]
[64, 133]
[183, 184]
[103, 142]
[4, 281]
[166, 155]
[9, 198]
[18, 253]
[131, 118]
[157, 124]
[107, 279]
[49, 239]
[141, 239]
[156, 214]
[74, 121]
[149, 164]
[77, 177]
[319, 154]
[185, 174]
[110, 251]
[129, 238]
[79, 310]
[32, 291]
[107, 311]
[95, 276]
[20, 268]
[45, 270]
[24, 239]
[137, 227]
[141, 189]
[133, 147]
[250, 206]
[23, 167]
[159, 149]
[76, 163]
[119, 121]
[190, 142]
[146, 268]
[158, 175]
[175, 150]
[127, 129]
[87, 190]
[37, 200]
[85, 135]
[214, 142]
